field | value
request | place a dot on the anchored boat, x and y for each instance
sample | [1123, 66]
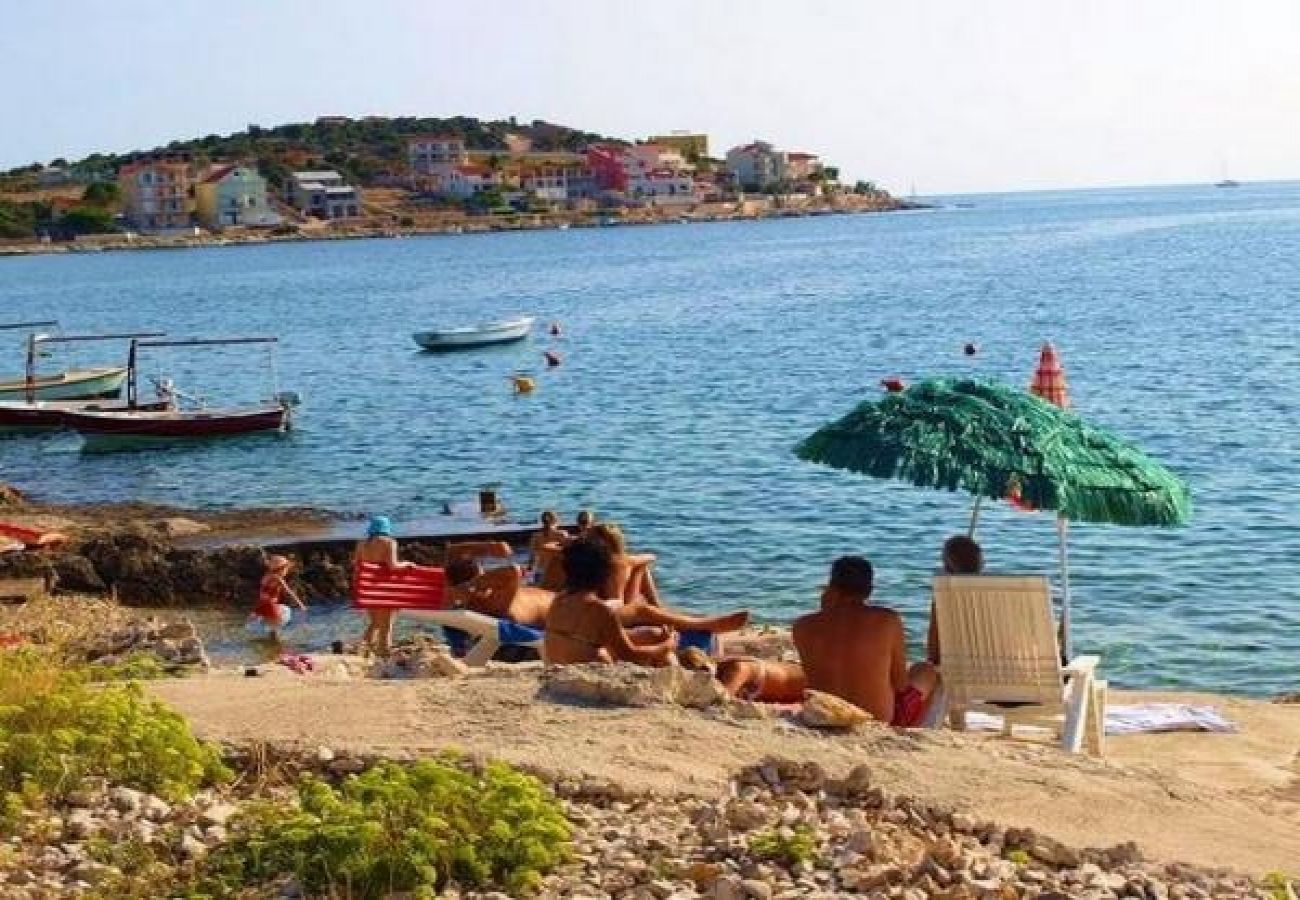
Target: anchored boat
[136, 426]
[471, 336]
[33, 415]
[95, 383]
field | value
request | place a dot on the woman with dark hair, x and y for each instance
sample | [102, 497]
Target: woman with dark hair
[581, 627]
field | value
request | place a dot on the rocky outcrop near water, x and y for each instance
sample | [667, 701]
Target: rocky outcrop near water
[152, 566]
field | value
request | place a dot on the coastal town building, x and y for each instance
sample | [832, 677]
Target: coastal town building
[640, 170]
[323, 194]
[558, 183]
[801, 166]
[435, 154]
[465, 181]
[155, 194]
[691, 146]
[757, 166]
[233, 195]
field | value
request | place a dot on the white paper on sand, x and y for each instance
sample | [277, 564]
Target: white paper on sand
[1144, 718]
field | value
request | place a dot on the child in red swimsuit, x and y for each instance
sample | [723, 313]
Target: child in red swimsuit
[274, 614]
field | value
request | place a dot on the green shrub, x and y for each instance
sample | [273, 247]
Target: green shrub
[1019, 857]
[399, 828]
[135, 667]
[56, 729]
[799, 846]
[1277, 885]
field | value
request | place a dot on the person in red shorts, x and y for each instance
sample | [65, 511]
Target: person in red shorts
[856, 650]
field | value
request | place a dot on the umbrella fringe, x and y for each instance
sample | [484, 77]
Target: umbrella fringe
[987, 439]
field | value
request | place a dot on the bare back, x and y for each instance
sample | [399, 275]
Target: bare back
[855, 652]
[579, 629]
[378, 549]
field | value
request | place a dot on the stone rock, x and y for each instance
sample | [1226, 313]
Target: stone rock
[126, 800]
[217, 814]
[745, 815]
[756, 889]
[420, 659]
[81, 824]
[324, 755]
[155, 809]
[703, 873]
[822, 710]
[192, 847]
[176, 526]
[728, 887]
[624, 684]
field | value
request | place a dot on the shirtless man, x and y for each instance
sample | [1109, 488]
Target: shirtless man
[501, 592]
[379, 547]
[856, 651]
[581, 627]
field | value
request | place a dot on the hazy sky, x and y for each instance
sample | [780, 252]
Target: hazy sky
[948, 95]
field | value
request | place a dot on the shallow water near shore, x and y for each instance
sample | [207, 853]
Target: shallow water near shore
[695, 356]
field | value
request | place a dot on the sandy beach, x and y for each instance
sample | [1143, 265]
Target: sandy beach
[1230, 800]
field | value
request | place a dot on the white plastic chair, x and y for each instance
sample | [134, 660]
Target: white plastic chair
[1000, 655]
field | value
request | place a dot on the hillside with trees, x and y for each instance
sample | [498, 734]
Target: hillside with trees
[360, 149]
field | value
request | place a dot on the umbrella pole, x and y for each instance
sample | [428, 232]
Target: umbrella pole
[1063, 532]
[974, 518]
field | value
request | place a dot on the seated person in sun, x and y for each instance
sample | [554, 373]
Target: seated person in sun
[503, 593]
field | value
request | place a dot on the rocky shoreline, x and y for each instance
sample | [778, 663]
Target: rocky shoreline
[781, 830]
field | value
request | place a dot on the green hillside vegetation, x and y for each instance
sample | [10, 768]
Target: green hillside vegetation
[359, 149]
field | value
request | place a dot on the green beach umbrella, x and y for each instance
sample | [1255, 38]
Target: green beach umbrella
[995, 442]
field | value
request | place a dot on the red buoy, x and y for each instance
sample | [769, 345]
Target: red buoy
[893, 385]
[553, 359]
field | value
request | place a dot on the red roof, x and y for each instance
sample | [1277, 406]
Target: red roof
[218, 173]
[473, 169]
[802, 155]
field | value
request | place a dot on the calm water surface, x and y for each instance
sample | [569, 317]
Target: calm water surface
[697, 355]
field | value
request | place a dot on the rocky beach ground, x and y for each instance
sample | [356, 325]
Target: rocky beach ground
[673, 789]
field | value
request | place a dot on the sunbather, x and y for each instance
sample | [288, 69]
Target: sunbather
[581, 627]
[379, 547]
[856, 651]
[501, 592]
[550, 537]
[961, 556]
[763, 680]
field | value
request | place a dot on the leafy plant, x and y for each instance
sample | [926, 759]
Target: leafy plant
[1278, 886]
[56, 728]
[788, 847]
[399, 828]
[1019, 857]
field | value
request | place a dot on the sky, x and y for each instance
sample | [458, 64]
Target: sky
[942, 96]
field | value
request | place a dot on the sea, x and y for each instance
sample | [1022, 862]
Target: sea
[696, 355]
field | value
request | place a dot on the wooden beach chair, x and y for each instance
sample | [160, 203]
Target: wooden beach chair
[1000, 656]
[421, 591]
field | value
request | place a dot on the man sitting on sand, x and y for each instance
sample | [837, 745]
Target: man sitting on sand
[857, 651]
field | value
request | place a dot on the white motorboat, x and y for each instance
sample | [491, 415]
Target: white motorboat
[470, 336]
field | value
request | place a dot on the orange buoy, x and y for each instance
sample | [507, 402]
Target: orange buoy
[523, 384]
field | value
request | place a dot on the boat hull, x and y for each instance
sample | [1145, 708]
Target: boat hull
[469, 338]
[111, 430]
[76, 384]
[52, 415]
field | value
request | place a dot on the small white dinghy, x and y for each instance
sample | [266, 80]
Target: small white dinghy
[475, 335]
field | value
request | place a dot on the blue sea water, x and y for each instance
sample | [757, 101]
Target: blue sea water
[695, 356]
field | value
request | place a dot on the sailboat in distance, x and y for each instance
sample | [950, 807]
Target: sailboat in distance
[1224, 181]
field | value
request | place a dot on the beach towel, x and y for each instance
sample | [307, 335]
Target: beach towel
[1142, 718]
